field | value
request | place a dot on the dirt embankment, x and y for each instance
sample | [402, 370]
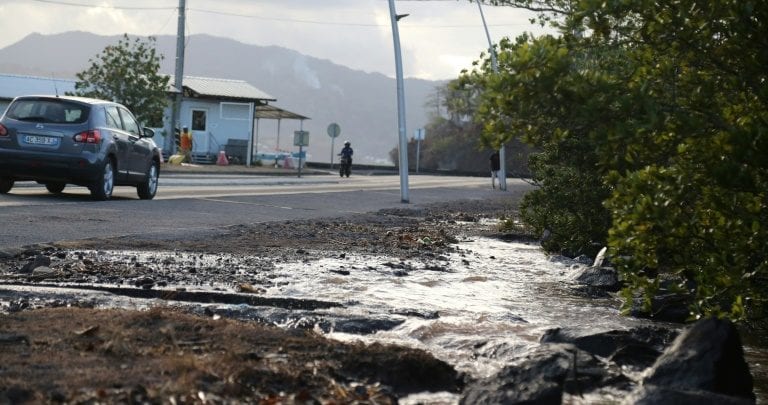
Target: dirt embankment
[53, 352]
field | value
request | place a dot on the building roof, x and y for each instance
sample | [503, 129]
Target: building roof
[275, 113]
[12, 86]
[18, 85]
[223, 88]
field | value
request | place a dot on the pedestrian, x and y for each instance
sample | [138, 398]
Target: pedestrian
[185, 145]
[495, 167]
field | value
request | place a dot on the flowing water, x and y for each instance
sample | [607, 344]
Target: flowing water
[477, 308]
[491, 301]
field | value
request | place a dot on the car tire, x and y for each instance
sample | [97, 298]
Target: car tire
[101, 189]
[6, 185]
[148, 188]
[55, 188]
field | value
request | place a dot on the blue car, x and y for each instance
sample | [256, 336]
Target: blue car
[60, 140]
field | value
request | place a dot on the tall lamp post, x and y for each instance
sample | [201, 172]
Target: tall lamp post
[495, 66]
[403, 139]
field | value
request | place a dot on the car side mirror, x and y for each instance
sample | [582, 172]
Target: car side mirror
[148, 132]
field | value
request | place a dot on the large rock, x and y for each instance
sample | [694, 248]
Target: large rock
[542, 377]
[605, 278]
[637, 347]
[38, 261]
[665, 307]
[706, 357]
[653, 395]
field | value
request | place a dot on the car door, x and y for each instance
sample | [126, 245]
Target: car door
[139, 153]
[122, 140]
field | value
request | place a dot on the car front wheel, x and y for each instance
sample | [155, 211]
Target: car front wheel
[148, 188]
[101, 189]
[6, 185]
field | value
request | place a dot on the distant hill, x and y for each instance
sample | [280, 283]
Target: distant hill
[363, 104]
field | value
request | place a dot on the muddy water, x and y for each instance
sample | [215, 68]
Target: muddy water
[477, 308]
[490, 302]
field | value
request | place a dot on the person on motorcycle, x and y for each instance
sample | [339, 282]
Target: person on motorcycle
[346, 159]
[347, 151]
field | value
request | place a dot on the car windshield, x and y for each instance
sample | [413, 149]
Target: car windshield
[50, 111]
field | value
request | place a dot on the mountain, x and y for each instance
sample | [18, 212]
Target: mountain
[363, 104]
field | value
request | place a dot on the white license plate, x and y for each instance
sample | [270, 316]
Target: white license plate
[40, 140]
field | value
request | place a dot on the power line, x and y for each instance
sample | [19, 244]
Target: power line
[69, 3]
[289, 20]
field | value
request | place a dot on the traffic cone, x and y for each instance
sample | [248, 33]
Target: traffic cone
[222, 160]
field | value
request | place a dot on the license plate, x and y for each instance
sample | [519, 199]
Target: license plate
[40, 140]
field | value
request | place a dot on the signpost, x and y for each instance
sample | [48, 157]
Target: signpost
[334, 130]
[300, 139]
[419, 136]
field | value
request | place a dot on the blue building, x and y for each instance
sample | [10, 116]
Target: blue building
[222, 114]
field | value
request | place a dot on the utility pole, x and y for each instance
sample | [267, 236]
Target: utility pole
[179, 73]
[403, 138]
[495, 66]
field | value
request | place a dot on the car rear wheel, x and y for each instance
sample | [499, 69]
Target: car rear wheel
[55, 188]
[148, 188]
[6, 185]
[101, 189]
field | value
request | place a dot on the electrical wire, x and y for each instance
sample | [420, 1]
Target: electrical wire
[289, 20]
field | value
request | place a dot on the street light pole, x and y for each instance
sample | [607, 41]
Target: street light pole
[403, 139]
[178, 74]
[495, 66]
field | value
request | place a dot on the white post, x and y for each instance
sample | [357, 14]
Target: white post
[403, 140]
[249, 152]
[333, 141]
[495, 66]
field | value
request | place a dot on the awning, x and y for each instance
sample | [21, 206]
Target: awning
[275, 113]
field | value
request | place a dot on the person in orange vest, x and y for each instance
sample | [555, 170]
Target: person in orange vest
[185, 145]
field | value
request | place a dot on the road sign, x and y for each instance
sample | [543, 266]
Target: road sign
[419, 134]
[300, 138]
[334, 130]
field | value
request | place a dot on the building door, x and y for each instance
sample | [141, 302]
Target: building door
[199, 129]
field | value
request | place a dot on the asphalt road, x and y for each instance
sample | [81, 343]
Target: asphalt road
[195, 202]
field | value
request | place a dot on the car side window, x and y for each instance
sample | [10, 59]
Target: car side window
[113, 117]
[129, 123]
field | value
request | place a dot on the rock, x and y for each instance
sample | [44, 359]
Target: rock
[416, 313]
[39, 260]
[606, 278]
[145, 282]
[652, 395]
[10, 253]
[583, 259]
[542, 377]
[359, 326]
[636, 347]
[706, 357]
[405, 371]
[42, 273]
[665, 307]
[16, 395]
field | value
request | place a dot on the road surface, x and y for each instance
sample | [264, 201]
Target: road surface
[195, 202]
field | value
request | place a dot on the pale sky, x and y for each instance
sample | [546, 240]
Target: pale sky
[438, 38]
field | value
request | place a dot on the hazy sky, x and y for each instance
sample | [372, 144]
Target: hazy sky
[438, 39]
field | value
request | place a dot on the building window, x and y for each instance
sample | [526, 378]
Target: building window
[235, 111]
[199, 120]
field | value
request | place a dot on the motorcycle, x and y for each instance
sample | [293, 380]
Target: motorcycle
[345, 166]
